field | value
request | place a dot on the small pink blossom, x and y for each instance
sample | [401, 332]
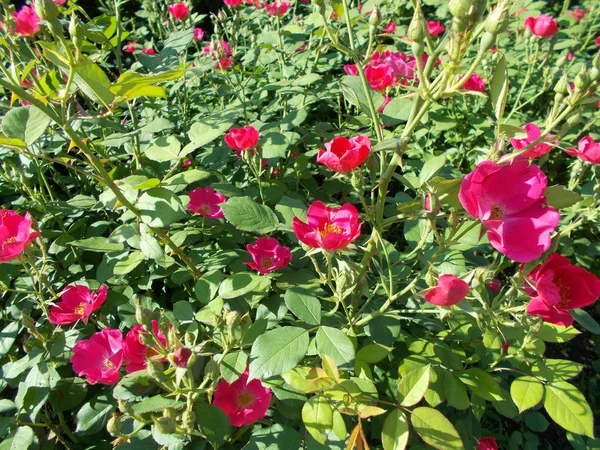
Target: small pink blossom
[533, 134]
[179, 11]
[578, 14]
[148, 51]
[598, 44]
[344, 155]
[351, 69]
[587, 150]
[77, 303]
[268, 255]
[232, 2]
[206, 201]
[449, 291]
[27, 22]
[543, 26]
[487, 443]
[198, 34]
[390, 28]
[130, 47]
[435, 27]
[100, 357]
[277, 8]
[60, 2]
[15, 234]
[474, 83]
[243, 401]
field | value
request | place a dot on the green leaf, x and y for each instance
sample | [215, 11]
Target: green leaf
[526, 392]
[23, 439]
[303, 305]
[154, 404]
[213, 423]
[26, 123]
[202, 133]
[397, 111]
[160, 207]
[567, 406]
[165, 148]
[585, 320]
[247, 215]
[98, 244]
[560, 197]
[278, 351]
[92, 416]
[431, 168]
[395, 432]
[455, 391]
[124, 266]
[274, 145]
[131, 85]
[481, 383]
[334, 343]
[270, 438]
[556, 369]
[317, 416]
[8, 336]
[242, 283]
[207, 286]
[233, 365]
[373, 353]
[499, 88]
[435, 429]
[413, 386]
[150, 247]
[557, 333]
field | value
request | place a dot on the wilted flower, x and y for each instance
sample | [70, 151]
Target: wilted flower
[328, 228]
[15, 234]
[268, 255]
[543, 26]
[474, 83]
[344, 155]
[587, 150]
[205, 201]
[559, 286]
[244, 402]
[241, 139]
[137, 353]
[100, 357]
[198, 34]
[449, 291]
[435, 27]
[533, 134]
[27, 22]
[77, 303]
[518, 220]
[179, 11]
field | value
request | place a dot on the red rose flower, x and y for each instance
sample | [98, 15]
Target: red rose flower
[449, 291]
[344, 155]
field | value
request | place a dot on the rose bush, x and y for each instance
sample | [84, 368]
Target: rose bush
[300, 225]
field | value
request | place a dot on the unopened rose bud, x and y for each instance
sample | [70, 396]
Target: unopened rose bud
[417, 30]
[582, 80]
[181, 357]
[487, 41]
[76, 32]
[165, 425]
[46, 10]
[114, 425]
[575, 118]
[431, 203]
[143, 316]
[375, 17]
[562, 87]
[497, 22]
[560, 62]
[468, 10]
[125, 407]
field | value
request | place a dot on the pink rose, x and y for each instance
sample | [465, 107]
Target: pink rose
[474, 83]
[351, 69]
[27, 22]
[390, 28]
[241, 139]
[510, 202]
[449, 291]
[533, 134]
[487, 443]
[379, 77]
[543, 26]
[587, 150]
[179, 11]
[181, 357]
[268, 255]
[244, 402]
[435, 27]
[277, 8]
[137, 353]
[15, 234]
[232, 2]
[328, 228]
[148, 51]
[100, 357]
[344, 155]
[198, 34]
[578, 14]
[559, 286]
[77, 303]
[206, 201]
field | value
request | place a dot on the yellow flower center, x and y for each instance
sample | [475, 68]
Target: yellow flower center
[497, 212]
[108, 364]
[565, 297]
[205, 209]
[266, 263]
[328, 229]
[244, 399]
[80, 309]
[10, 240]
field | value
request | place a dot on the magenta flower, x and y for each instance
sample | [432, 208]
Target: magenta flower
[244, 402]
[217, 49]
[241, 139]
[487, 443]
[27, 22]
[380, 77]
[130, 47]
[137, 353]
[277, 8]
[206, 201]
[390, 28]
[181, 357]
[15, 234]
[578, 14]
[435, 27]
[587, 150]
[533, 134]
[179, 11]
[77, 303]
[449, 291]
[474, 83]
[268, 255]
[351, 69]
[344, 155]
[543, 26]
[198, 34]
[510, 202]
[386, 101]
[100, 357]
[232, 2]
[328, 228]
[60, 2]
[559, 286]
[148, 51]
